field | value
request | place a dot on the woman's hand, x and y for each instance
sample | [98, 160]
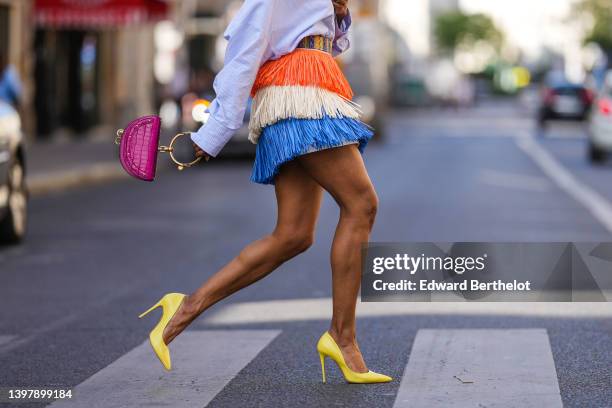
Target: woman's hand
[201, 153]
[341, 8]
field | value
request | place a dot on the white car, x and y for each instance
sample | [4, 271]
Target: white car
[13, 194]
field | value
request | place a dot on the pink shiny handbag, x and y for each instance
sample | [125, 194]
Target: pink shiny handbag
[139, 146]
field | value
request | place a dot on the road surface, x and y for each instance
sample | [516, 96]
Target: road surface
[97, 257]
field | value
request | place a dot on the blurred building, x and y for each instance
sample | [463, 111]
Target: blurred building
[89, 66]
[14, 14]
[542, 31]
[93, 62]
[15, 39]
[414, 21]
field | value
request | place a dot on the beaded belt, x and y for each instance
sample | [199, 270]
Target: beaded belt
[317, 42]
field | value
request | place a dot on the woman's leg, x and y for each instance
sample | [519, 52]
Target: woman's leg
[342, 173]
[298, 200]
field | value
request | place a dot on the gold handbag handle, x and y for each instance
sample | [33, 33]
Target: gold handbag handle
[167, 149]
[170, 150]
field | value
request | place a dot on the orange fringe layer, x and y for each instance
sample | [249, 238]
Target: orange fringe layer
[304, 67]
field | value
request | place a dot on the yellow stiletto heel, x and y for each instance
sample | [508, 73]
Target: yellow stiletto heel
[322, 356]
[327, 347]
[170, 303]
[155, 306]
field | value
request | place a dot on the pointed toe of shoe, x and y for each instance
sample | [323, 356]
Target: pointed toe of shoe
[164, 358]
[167, 365]
[161, 351]
[367, 378]
[370, 378]
[381, 378]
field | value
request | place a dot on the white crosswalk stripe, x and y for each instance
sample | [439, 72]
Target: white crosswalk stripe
[203, 363]
[446, 368]
[294, 310]
[5, 339]
[480, 368]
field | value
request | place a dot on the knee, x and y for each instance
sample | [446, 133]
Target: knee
[364, 207]
[293, 243]
[371, 206]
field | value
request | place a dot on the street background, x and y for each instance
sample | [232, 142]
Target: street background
[485, 115]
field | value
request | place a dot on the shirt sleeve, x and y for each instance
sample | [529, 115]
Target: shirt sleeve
[341, 41]
[245, 52]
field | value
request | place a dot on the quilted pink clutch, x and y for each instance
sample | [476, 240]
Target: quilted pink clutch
[139, 147]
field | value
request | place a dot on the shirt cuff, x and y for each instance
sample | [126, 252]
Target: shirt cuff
[212, 136]
[344, 24]
[341, 41]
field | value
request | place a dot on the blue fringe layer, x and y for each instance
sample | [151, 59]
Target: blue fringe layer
[287, 139]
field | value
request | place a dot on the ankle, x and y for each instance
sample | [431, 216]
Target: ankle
[190, 306]
[343, 337]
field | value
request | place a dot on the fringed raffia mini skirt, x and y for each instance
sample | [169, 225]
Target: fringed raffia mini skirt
[302, 104]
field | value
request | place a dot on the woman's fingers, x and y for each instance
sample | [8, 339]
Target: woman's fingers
[200, 153]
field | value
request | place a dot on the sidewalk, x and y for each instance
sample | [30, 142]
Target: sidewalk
[60, 165]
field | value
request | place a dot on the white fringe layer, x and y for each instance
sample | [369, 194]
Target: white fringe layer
[274, 103]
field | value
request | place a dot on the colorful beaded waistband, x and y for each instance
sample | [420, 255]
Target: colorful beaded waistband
[317, 42]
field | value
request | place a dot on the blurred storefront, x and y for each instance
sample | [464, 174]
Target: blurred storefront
[93, 62]
[13, 15]
[91, 65]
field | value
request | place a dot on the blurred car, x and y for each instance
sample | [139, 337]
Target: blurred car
[240, 145]
[563, 100]
[447, 86]
[13, 192]
[600, 124]
[195, 115]
[366, 65]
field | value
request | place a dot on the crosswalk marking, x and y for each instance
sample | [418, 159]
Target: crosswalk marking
[5, 339]
[599, 207]
[294, 310]
[480, 368]
[203, 363]
[458, 368]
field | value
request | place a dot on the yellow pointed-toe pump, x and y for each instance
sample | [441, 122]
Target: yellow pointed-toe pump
[170, 303]
[327, 347]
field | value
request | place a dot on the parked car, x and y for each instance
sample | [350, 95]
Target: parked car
[564, 100]
[600, 124]
[13, 192]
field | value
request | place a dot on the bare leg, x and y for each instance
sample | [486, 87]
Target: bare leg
[342, 173]
[299, 201]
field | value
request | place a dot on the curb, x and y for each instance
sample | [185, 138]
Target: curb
[63, 180]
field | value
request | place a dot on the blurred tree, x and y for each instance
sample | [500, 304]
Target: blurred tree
[598, 14]
[455, 28]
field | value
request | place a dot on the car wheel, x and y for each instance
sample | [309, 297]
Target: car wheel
[13, 226]
[596, 155]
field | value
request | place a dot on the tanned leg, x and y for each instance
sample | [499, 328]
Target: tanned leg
[299, 200]
[342, 173]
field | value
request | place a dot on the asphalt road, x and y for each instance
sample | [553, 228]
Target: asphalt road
[96, 257]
